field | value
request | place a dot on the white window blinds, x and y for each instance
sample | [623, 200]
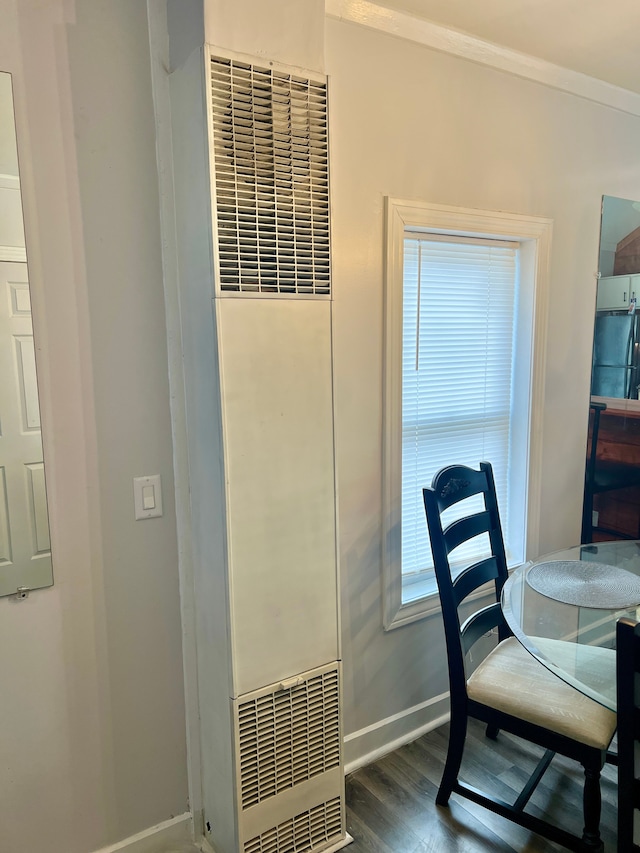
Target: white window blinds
[459, 309]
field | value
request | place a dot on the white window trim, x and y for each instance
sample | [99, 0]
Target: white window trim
[534, 235]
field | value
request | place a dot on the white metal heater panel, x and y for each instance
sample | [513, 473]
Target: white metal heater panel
[278, 426]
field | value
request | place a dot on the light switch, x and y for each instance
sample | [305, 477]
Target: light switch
[147, 497]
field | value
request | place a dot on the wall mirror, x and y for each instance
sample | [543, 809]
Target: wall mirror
[25, 548]
[616, 346]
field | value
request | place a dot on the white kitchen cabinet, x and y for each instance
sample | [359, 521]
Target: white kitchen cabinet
[615, 292]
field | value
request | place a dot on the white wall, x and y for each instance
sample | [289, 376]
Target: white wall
[285, 31]
[93, 698]
[410, 122]
[92, 711]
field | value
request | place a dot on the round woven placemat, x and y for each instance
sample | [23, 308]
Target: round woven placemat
[586, 584]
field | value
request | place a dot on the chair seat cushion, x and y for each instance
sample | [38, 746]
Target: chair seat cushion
[511, 680]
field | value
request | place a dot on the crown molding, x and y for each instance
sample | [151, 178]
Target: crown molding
[438, 37]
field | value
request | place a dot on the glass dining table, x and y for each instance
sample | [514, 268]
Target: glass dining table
[564, 606]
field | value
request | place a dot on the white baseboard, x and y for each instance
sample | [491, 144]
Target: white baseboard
[169, 835]
[361, 748]
[369, 744]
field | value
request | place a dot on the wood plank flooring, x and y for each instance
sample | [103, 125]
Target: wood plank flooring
[391, 803]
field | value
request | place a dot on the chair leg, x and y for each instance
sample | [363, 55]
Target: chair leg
[592, 804]
[492, 731]
[586, 536]
[457, 735]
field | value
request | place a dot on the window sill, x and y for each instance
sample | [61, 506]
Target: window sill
[411, 611]
[426, 605]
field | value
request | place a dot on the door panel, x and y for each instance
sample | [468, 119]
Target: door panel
[25, 549]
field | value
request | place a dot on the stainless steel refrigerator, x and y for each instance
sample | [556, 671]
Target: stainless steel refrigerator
[616, 357]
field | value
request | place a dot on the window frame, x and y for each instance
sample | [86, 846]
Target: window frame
[534, 236]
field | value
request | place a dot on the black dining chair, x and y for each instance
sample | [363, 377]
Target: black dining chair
[509, 690]
[628, 704]
[603, 475]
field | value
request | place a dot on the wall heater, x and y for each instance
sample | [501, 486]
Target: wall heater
[251, 175]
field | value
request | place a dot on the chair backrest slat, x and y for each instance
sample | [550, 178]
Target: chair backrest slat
[458, 482]
[480, 623]
[475, 576]
[466, 528]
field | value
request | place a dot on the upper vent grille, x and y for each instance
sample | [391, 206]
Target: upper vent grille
[288, 736]
[305, 831]
[271, 180]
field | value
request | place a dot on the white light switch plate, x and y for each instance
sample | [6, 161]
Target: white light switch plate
[147, 497]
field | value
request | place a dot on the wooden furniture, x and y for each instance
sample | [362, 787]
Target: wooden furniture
[509, 689]
[628, 673]
[627, 257]
[612, 471]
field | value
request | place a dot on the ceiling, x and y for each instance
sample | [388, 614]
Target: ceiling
[600, 38]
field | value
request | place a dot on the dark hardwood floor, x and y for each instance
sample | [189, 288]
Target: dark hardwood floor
[391, 803]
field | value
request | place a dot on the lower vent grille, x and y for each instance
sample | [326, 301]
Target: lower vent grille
[304, 832]
[288, 736]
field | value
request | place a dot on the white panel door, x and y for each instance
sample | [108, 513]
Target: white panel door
[25, 550]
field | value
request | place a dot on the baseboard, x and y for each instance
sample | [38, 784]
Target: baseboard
[164, 836]
[360, 748]
[369, 744]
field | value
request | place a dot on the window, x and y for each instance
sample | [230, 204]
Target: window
[464, 327]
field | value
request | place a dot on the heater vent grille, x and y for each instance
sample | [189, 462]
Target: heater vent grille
[271, 180]
[288, 736]
[305, 831]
